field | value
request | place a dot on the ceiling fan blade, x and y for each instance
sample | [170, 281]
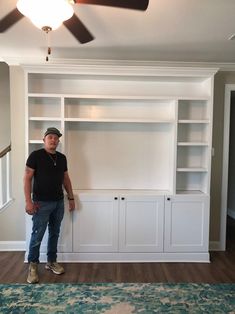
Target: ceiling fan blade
[78, 29]
[126, 4]
[10, 19]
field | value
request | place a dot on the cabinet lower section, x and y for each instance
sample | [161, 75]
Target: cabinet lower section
[186, 223]
[119, 227]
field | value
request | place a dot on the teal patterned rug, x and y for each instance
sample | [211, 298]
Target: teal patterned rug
[117, 298]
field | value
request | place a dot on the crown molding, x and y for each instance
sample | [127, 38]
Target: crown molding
[120, 69]
[69, 63]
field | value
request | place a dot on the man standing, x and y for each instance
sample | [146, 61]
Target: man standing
[48, 170]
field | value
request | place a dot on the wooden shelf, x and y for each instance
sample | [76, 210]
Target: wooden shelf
[189, 192]
[46, 95]
[193, 121]
[100, 96]
[45, 119]
[122, 192]
[35, 141]
[193, 144]
[192, 169]
[117, 120]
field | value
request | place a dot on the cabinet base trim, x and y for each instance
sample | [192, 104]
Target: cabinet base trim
[129, 257]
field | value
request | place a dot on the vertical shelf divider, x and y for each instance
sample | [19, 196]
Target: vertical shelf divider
[62, 101]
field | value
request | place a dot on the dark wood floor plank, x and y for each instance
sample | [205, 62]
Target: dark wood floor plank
[221, 269]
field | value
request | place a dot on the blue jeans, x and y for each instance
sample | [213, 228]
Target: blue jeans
[49, 214]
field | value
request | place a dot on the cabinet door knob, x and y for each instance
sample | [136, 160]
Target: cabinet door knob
[116, 198]
[168, 198]
[123, 198]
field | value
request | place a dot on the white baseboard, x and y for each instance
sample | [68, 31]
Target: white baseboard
[12, 246]
[129, 257]
[21, 246]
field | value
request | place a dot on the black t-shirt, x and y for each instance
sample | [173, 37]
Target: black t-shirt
[48, 176]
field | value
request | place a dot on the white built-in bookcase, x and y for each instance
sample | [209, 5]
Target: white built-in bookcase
[126, 128]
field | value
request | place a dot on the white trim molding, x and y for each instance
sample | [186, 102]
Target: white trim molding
[120, 68]
[21, 246]
[12, 246]
[223, 66]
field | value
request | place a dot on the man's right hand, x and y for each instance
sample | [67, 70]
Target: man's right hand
[31, 208]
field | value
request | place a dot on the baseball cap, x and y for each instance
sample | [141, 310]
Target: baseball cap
[53, 131]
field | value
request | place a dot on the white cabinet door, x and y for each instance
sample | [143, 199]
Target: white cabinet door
[95, 224]
[186, 223]
[141, 223]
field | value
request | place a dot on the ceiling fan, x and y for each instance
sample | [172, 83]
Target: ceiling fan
[71, 21]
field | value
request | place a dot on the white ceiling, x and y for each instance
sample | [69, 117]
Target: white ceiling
[170, 30]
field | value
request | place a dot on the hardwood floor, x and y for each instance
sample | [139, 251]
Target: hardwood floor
[220, 270]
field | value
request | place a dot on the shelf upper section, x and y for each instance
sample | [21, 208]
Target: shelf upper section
[121, 82]
[166, 145]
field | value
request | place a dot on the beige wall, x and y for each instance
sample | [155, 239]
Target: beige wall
[221, 79]
[12, 220]
[5, 129]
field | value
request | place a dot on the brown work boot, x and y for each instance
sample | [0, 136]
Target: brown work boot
[55, 268]
[33, 273]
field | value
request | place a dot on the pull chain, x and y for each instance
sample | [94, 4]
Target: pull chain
[48, 46]
[47, 30]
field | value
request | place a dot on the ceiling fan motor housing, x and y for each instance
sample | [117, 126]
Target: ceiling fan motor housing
[46, 9]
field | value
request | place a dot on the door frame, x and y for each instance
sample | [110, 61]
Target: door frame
[224, 191]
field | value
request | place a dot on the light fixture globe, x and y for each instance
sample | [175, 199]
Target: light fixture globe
[46, 13]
